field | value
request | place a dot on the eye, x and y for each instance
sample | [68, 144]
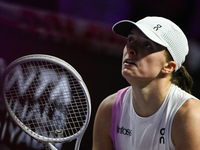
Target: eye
[147, 45]
[129, 40]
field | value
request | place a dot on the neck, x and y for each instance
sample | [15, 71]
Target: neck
[148, 99]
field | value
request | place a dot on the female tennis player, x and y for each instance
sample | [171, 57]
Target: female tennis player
[157, 110]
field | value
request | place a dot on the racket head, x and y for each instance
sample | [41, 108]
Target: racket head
[67, 125]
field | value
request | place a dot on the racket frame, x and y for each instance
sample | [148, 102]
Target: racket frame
[45, 140]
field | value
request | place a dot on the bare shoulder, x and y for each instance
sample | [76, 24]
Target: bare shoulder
[105, 108]
[185, 127]
[102, 125]
[107, 103]
[190, 110]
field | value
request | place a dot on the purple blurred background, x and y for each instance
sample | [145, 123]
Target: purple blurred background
[99, 65]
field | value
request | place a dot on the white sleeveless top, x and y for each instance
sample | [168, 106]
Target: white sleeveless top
[132, 132]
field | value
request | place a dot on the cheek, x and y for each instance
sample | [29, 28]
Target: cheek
[124, 53]
[153, 65]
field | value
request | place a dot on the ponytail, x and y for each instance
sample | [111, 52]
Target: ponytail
[182, 79]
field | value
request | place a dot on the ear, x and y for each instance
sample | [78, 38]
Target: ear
[169, 67]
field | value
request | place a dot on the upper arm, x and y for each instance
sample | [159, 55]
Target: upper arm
[102, 125]
[186, 126]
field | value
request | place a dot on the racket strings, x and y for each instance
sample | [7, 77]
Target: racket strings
[47, 98]
[76, 110]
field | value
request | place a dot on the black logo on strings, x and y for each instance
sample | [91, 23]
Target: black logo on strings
[43, 101]
[157, 27]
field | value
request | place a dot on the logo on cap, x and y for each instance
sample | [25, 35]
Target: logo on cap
[157, 27]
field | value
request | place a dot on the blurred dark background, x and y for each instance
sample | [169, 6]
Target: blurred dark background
[79, 32]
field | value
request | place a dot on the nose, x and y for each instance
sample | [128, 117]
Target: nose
[131, 49]
[132, 44]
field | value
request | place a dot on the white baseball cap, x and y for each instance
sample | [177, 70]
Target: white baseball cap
[161, 31]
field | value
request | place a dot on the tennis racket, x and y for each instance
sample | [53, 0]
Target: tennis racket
[47, 98]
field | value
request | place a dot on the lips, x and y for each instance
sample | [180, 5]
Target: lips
[130, 62]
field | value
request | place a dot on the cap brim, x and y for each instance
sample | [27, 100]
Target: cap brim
[124, 27]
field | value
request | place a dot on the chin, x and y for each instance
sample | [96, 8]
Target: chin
[127, 74]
